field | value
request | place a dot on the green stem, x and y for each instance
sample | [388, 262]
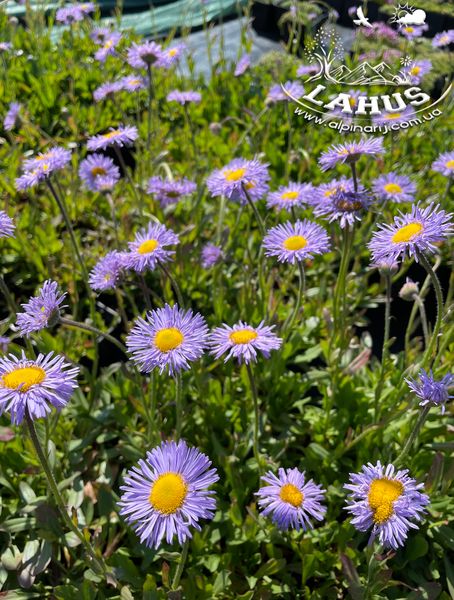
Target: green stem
[181, 564]
[301, 289]
[354, 175]
[8, 297]
[339, 292]
[95, 561]
[95, 330]
[128, 177]
[150, 98]
[256, 416]
[174, 285]
[385, 349]
[289, 141]
[411, 438]
[431, 350]
[422, 312]
[179, 405]
[256, 212]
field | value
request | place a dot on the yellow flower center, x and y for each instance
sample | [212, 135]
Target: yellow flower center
[415, 70]
[352, 101]
[344, 152]
[409, 29]
[249, 185]
[108, 44]
[444, 38]
[291, 494]
[148, 246]
[289, 196]
[381, 497]
[450, 164]
[168, 493]
[111, 134]
[393, 188]
[172, 52]
[234, 174]
[243, 336]
[23, 377]
[390, 116]
[295, 242]
[407, 233]
[134, 81]
[98, 171]
[168, 339]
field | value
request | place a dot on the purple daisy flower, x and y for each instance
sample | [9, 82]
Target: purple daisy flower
[107, 90]
[109, 46]
[100, 34]
[7, 226]
[170, 338]
[68, 15]
[5, 47]
[12, 118]
[106, 273]
[4, 343]
[33, 384]
[295, 242]
[166, 494]
[173, 54]
[277, 94]
[307, 70]
[229, 180]
[97, 170]
[416, 71]
[124, 135]
[350, 152]
[42, 310]
[443, 39]
[432, 391]
[132, 83]
[242, 341]
[395, 188]
[412, 31]
[444, 164]
[184, 97]
[242, 65]
[343, 206]
[31, 178]
[290, 500]
[169, 192]
[386, 500]
[292, 194]
[56, 158]
[412, 233]
[324, 191]
[148, 248]
[140, 56]
[211, 255]
[397, 116]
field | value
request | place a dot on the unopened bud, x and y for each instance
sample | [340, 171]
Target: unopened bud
[409, 290]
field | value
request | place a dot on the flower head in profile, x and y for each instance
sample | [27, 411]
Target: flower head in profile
[42, 310]
[211, 255]
[238, 175]
[277, 94]
[34, 385]
[169, 338]
[242, 65]
[350, 152]
[149, 247]
[107, 271]
[100, 34]
[74, 13]
[41, 167]
[395, 116]
[141, 56]
[290, 500]
[412, 31]
[416, 71]
[4, 343]
[444, 164]
[430, 390]
[174, 53]
[412, 233]
[107, 90]
[184, 97]
[109, 46]
[242, 341]
[167, 493]
[169, 192]
[344, 206]
[443, 39]
[99, 172]
[394, 188]
[7, 226]
[132, 83]
[307, 70]
[124, 135]
[292, 194]
[386, 500]
[323, 192]
[296, 242]
[12, 118]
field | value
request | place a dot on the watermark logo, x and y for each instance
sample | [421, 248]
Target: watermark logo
[398, 104]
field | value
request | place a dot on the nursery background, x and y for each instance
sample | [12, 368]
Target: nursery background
[226, 331]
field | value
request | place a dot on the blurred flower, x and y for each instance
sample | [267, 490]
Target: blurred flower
[211, 255]
[109, 45]
[99, 172]
[343, 206]
[39, 168]
[32, 384]
[132, 83]
[12, 118]
[106, 273]
[148, 248]
[170, 338]
[307, 70]
[416, 71]
[4, 343]
[444, 164]
[100, 34]
[169, 192]
[290, 500]
[184, 97]
[76, 12]
[5, 47]
[443, 39]
[430, 390]
[173, 54]
[140, 56]
[229, 180]
[277, 94]
[107, 90]
[292, 194]
[386, 500]
[242, 341]
[411, 233]
[295, 242]
[324, 191]
[7, 226]
[350, 152]
[242, 65]
[395, 188]
[124, 135]
[409, 290]
[379, 29]
[166, 494]
[411, 31]
[398, 116]
[42, 310]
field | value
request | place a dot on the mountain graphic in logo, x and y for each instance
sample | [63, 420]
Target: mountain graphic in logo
[367, 74]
